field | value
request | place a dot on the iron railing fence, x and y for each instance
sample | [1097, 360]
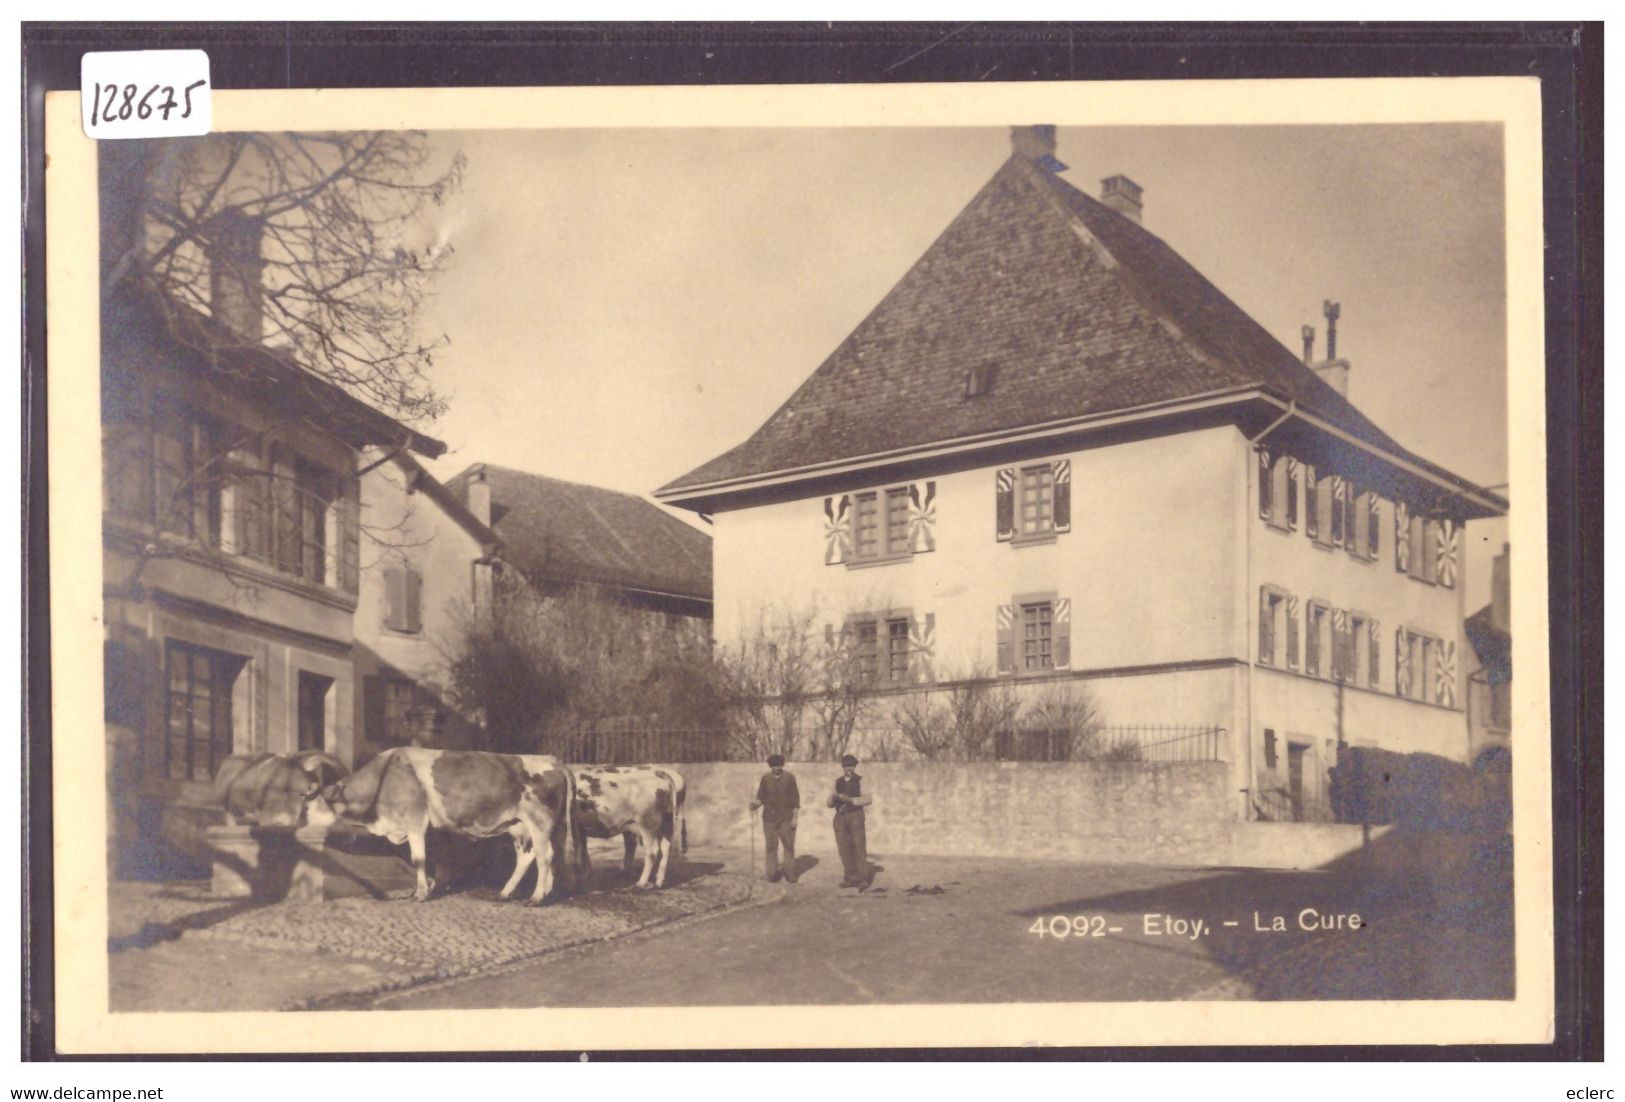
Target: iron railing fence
[614, 744]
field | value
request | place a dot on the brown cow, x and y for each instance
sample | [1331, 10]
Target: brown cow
[404, 791]
[272, 790]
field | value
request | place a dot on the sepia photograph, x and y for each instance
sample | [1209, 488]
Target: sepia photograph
[866, 557]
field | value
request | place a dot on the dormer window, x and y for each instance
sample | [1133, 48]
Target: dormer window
[979, 380]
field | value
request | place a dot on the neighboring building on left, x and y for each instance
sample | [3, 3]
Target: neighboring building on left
[232, 539]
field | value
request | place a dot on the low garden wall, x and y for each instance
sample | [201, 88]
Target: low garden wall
[1117, 813]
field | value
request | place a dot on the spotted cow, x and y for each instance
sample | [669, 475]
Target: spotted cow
[406, 790]
[273, 790]
[641, 803]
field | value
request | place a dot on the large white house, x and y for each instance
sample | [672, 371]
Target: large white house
[1055, 452]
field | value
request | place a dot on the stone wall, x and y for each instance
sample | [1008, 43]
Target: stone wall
[1124, 813]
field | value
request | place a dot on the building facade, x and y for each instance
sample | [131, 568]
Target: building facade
[426, 564]
[1056, 454]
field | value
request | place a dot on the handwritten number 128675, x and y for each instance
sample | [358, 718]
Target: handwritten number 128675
[122, 102]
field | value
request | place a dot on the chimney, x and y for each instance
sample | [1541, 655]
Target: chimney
[479, 496]
[1331, 369]
[1309, 344]
[236, 267]
[1501, 590]
[1122, 195]
[1036, 144]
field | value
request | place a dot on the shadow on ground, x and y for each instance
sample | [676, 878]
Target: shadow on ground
[1435, 922]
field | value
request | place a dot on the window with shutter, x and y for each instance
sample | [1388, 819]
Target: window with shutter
[1037, 636]
[1061, 471]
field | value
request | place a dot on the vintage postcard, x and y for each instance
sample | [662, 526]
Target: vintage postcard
[836, 560]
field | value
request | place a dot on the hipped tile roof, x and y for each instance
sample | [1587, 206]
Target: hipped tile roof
[553, 530]
[1078, 310]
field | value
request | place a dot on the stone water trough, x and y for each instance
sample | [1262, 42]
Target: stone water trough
[308, 864]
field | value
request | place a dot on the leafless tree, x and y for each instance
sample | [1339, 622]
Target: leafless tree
[324, 239]
[961, 722]
[1063, 723]
[842, 701]
[772, 674]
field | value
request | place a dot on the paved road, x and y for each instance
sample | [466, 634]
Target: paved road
[957, 930]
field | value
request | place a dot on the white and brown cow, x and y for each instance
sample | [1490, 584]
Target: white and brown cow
[643, 803]
[271, 789]
[406, 790]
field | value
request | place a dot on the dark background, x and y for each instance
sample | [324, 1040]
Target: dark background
[1567, 58]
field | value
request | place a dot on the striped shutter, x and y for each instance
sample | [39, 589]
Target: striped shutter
[1376, 660]
[837, 529]
[1291, 493]
[922, 638]
[1265, 484]
[1339, 510]
[1062, 469]
[1004, 504]
[922, 517]
[1402, 537]
[1402, 663]
[1373, 525]
[1292, 632]
[1351, 506]
[1444, 674]
[1006, 647]
[1061, 634]
[1446, 538]
[1340, 644]
[1311, 503]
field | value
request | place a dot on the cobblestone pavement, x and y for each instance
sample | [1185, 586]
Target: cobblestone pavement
[174, 947]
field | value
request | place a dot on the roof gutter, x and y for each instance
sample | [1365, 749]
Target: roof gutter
[957, 445]
[1456, 487]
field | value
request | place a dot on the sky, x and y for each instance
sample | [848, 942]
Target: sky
[624, 304]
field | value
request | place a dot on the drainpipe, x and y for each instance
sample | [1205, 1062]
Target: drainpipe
[1250, 776]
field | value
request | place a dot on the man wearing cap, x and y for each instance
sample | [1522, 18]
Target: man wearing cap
[849, 799]
[780, 802]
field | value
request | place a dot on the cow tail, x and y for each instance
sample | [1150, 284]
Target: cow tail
[682, 821]
[570, 860]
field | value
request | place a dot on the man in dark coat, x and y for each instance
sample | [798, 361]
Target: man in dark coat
[849, 799]
[780, 802]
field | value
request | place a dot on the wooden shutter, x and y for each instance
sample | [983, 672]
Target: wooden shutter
[1402, 537]
[287, 535]
[1445, 569]
[1339, 495]
[1004, 504]
[922, 517]
[412, 593]
[1062, 469]
[1444, 678]
[1266, 484]
[395, 598]
[1266, 627]
[1061, 634]
[922, 638]
[1376, 660]
[837, 529]
[1006, 645]
[1373, 526]
[1311, 640]
[349, 520]
[1311, 503]
[1292, 632]
[1291, 493]
[1402, 663]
